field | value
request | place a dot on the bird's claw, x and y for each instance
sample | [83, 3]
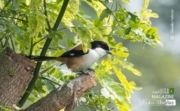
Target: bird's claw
[86, 72]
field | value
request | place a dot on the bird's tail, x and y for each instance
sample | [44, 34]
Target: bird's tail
[41, 58]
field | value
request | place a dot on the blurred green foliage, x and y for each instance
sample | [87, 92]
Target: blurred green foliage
[26, 26]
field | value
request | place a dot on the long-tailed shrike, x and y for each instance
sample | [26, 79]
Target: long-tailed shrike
[76, 60]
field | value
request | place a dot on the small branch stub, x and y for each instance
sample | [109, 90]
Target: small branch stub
[65, 96]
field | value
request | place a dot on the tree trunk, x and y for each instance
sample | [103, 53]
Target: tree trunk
[15, 74]
[65, 96]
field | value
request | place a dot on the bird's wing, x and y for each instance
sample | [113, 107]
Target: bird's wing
[75, 52]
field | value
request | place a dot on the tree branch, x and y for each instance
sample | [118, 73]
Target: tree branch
[65, 96]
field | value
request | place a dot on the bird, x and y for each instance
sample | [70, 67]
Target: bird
[76, 59]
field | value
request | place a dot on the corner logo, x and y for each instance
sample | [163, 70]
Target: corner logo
[160, 97]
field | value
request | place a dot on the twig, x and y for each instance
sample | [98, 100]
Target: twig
[40, 40]
[45, 13]
[31, 47]
[15, 18]
[49, 80]
[7, 4]
[3, 36]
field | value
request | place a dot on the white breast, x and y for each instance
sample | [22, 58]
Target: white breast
[92, 56]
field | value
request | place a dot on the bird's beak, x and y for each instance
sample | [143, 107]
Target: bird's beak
[108, 52]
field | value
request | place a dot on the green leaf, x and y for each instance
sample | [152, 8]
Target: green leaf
[127, 31]
[28, 2]
[97, 101]
[118, 93]
[113, 87]
[50, 86]
[104, 14]
[32, 99]
[127, 85]
[134, 17]
[45, 70]
[69, 42]
[39, 87]
[98, 23]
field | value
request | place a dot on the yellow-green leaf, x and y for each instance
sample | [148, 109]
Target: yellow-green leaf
[125, 106]
[145, 5]
[1, 4]
[134, 71]
[28, 2]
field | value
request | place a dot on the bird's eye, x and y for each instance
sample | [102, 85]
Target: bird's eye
[71, 54]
